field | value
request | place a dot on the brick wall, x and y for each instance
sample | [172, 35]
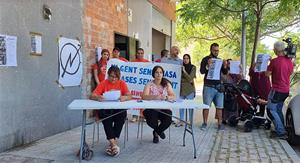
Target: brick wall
[101, 19]
[167, 7]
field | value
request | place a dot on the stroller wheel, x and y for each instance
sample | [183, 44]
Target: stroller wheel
[87, 153]
[233, 121]
[267, 125]
[248, 126]
[90, 155]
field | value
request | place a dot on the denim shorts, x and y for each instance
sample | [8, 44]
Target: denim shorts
[210, 95]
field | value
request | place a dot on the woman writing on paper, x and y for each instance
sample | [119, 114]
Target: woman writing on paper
[158, 89]
[112, 126]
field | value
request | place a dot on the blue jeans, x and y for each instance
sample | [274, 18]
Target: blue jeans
[191, 111]
[276, 111]
[210, 95]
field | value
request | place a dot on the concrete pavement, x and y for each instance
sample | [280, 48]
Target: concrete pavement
[231, 145]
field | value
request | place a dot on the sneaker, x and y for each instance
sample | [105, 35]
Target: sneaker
[224, 122]
[283, 137]
[155, 137]
[203, 126]
[273, 134]
[221, 127]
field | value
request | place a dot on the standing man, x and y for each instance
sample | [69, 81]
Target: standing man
[116, 54]
[173, 59]
[140, 56]
[280, 68]
[212, 88]
[163, 54]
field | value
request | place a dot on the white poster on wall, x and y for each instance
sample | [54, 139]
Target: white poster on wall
[36, 44]
[8, 50]
[98, 53]
[70, 62]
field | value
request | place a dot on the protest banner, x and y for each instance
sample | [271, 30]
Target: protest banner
[138, 74]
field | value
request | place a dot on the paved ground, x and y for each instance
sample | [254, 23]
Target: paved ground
[231, 145]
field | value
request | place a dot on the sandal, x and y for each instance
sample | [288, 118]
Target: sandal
[115, 150]
[108, 151]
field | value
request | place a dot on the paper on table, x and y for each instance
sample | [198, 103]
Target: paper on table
[214, 69]
[112, 95]
[235, 67]
[262, 62]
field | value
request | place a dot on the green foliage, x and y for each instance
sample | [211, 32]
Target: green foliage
[202, 22]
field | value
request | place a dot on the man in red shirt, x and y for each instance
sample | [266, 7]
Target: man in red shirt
[280, 69]
[140, 56]
[116, 54]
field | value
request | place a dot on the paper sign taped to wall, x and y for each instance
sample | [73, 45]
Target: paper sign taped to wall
[8, 50]
[70, 62]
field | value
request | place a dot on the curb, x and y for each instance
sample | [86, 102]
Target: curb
[290, 151]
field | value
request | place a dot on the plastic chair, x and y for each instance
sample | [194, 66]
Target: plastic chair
[96, 124]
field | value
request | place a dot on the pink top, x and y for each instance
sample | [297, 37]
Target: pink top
[157, 90]
[281, 68]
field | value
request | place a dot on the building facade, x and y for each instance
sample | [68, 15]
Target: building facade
[32, 104]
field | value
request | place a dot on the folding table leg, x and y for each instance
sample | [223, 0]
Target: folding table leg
[192, 132]
[185, 128]
[82, 139]
[94, 128]
[142, 125]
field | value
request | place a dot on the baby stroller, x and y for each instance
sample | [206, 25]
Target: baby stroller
[246, 107]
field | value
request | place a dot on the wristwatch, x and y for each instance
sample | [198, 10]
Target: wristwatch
[206, 67]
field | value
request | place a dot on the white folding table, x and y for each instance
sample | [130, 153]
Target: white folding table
[85, 104]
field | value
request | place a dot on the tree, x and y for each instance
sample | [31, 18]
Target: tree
[223, 19]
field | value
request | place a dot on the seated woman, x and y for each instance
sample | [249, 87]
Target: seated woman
[158, 89]
[112, 126]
